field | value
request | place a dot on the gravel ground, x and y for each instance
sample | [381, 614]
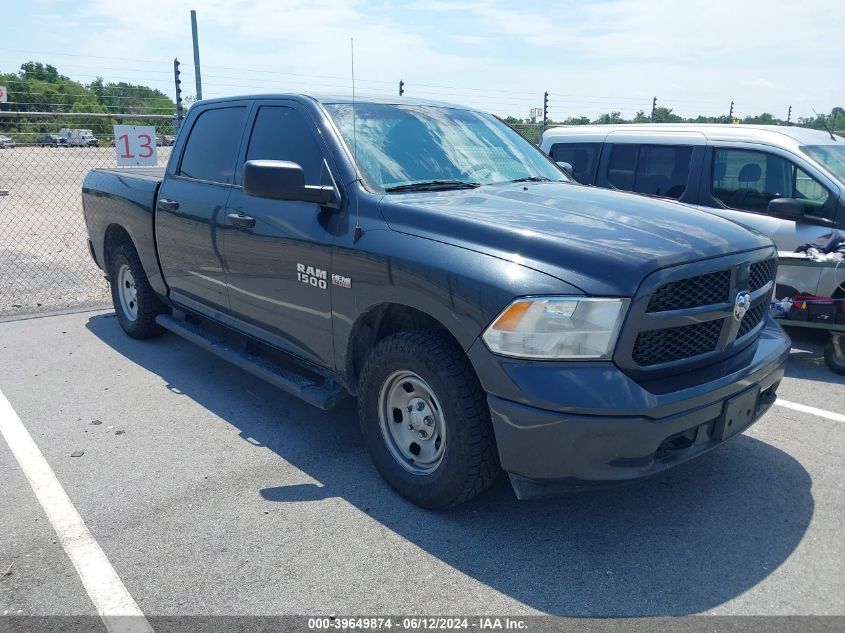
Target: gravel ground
[44, 260]
[225, 496]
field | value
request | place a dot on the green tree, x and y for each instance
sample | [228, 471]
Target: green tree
[665, 115]
[762, 119]
[577, 120]
[42, 72]
[610, 117]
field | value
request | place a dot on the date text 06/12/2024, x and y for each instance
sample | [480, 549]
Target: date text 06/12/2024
[485, 623]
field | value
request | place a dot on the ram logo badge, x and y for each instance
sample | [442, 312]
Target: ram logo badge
[312, 276]
[741, 305]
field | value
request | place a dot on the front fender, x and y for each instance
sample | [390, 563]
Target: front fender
[460, 288]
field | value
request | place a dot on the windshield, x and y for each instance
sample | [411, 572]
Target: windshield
[400, 146]
[831, 157]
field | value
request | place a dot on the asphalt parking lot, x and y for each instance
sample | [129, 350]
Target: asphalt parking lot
[210, 492]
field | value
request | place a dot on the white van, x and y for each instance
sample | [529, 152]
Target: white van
[787, 182]
[78, 137]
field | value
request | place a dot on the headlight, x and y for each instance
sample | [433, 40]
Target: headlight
[557, 327]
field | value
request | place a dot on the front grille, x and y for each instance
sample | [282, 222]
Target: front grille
[751, 319]
[762, 273]
[663, 346]
[683, 316]
[695, 291]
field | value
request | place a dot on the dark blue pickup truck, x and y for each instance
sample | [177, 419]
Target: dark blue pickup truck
[487, 313]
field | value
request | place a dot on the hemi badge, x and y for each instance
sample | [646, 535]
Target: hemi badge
[340, 280]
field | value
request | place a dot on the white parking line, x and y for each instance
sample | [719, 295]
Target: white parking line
[803, 408]
[101, 581]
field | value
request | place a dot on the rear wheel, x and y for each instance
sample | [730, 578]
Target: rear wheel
[834, 353]
[426, 421]
[135, 304]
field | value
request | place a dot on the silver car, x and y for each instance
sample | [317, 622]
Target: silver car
[787, 182]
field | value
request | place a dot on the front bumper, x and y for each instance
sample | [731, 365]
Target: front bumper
[585, 423]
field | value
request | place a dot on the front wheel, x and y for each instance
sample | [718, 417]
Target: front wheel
[135, 303]
[425, 420]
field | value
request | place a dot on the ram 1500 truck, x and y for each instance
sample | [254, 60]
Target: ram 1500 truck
[487, 313]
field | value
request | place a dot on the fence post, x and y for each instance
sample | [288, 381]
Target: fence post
[545, 115]
[177, 120]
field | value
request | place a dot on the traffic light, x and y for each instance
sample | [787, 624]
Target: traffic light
[731, 115]
[545, 108]
[401, 87]
[789, 115]
[653, 108]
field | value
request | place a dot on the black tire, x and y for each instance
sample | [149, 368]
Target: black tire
[142, 324]
[469, 462]
[834, 353]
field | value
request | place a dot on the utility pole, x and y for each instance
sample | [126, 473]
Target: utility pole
[653, 108]
[196, 54]
[545, 110]
[401, 87]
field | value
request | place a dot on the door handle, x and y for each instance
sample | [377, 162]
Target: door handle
[240, 220]
[166, 204]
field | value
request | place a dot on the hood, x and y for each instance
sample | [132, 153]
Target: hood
[603, 242]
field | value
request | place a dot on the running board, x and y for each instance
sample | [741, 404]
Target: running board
[323, 396]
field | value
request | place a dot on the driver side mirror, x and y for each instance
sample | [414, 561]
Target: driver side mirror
[567, 168]
[788, 208]
[284, 180]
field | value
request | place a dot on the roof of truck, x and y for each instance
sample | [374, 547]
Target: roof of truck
[326, 99]
[782, 135]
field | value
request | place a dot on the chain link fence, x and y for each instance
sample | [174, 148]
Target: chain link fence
[44, 157]
[530, 131]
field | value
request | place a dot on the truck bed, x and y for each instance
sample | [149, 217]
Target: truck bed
[155, 174]
[124, 197]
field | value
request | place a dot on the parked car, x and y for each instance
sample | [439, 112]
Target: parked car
[167, 140]
[6, 142]
[486, 312]
[79, 137]
[787, 182]
[52, 140]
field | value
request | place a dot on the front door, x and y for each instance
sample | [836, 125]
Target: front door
[278, 253]
[741, 181]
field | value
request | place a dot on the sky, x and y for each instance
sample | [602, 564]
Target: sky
[591, 56]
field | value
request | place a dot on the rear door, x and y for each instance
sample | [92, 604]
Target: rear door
[278, 253]
[665, 165]
[191, 209]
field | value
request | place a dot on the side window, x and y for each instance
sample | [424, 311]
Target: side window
[655, 170]
[749, 180]
[582, 156]
[621, 167]
[212, 148]
[663, 170]
[281, 133]
[812, 194]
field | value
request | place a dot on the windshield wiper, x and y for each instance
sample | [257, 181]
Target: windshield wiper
[531, 179]
[433, 185]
